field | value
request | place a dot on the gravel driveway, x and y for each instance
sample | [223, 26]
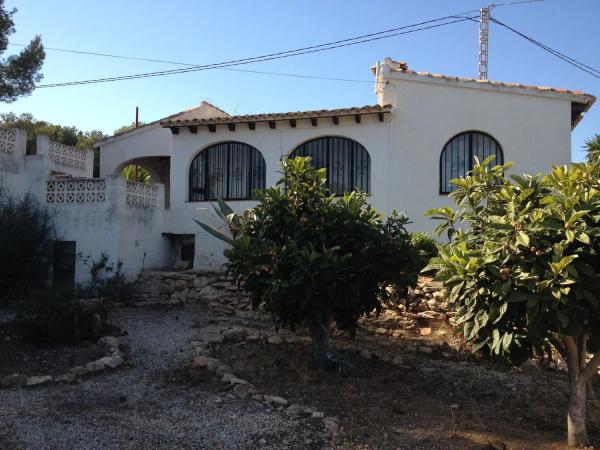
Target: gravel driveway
[137, 407]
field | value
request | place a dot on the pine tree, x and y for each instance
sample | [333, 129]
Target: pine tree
[20, 72]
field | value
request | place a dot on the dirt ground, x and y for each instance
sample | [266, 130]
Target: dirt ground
[435, 398]
[411, 391]
[22, 356]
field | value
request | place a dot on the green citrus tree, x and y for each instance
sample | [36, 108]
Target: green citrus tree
[522, 269]
[311, 259]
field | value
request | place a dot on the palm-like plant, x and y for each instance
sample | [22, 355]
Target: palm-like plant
[592, 147]
[137, 173]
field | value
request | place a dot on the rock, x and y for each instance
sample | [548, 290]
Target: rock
[79, 371]
[262, 442]
[210, 293]
[68, 377]
[253, 337]
[381, 330]
[317, 415]
[425, 331]
[432, 315]
[332, 425]
[425, 350]
[308, 410]
[211, 334]
[223, 369]
[366, 354]
[454, 406]
[275, 340]
[277, 401]
[257, 397]
[113, 361]
[438, 295]
[181, 284]
[204, 362]
[232, 379]
[95, 366]
[236, 334]
[294, 410]
[13, 381]
[38, 380]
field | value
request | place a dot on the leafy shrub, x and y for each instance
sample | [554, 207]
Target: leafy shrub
[46, 315]
[56, 315]
[424, 246]
[108, 281]
[524, 272]
[310, 259]
[26, 235]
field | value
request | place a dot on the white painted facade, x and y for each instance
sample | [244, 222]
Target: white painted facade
[532, 125]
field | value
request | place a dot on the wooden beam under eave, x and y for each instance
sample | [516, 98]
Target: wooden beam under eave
[313, 121]
[336, 120]
[272, 124]
[380, 115]
[193, 129]
[357, 118]
[212, 128]
[293, 123]
[174, 130]
[252, 125]
[231, 126]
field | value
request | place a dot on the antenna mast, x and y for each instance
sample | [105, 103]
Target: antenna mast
[484, 34]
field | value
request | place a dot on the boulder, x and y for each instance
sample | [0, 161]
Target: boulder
[38, 380]
[275, 340]
[276, 401]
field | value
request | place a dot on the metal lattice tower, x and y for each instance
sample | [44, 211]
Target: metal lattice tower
[484, 33]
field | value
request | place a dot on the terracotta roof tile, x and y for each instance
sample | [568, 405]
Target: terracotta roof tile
[178, 121]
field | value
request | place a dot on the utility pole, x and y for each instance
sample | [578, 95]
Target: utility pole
[484, 34]
[137, 116]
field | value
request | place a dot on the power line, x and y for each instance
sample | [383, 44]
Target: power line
[279, 55]
[581, 66]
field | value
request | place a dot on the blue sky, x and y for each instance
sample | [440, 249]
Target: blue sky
[201, 32]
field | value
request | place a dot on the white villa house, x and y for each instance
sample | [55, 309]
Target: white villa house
[423, 131]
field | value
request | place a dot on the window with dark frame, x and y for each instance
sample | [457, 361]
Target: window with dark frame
[228, 170]
[458, 155]
[347, 162]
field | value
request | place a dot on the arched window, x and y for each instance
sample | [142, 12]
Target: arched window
[458, 155]
[229, 170]
[347, 162]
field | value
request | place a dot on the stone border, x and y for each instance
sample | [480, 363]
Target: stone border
[114, 358]
[216, 335]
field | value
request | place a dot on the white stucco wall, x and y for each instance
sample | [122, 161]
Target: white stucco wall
[147, 141]
[533, 131]
[274, 145]
[124, 233]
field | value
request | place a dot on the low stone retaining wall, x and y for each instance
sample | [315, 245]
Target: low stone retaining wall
[192, 286]
[115, 357]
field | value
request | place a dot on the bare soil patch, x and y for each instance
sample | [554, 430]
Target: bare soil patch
[22, 356]
[441, 398]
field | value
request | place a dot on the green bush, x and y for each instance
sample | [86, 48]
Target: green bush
[523, 273]
[26, 235]
[424, 245]
[57, 315]
[311, 259]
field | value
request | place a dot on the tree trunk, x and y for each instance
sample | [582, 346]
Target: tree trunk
[576, 423]
[575, 352]
[322, 352]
